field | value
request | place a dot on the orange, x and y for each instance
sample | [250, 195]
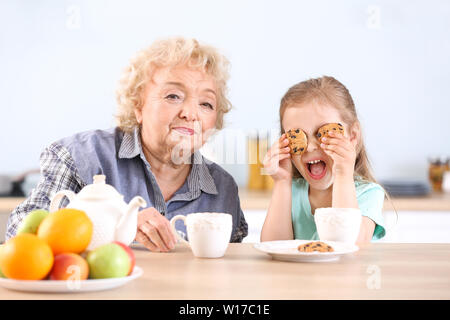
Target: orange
[26, 257]
[66, 230]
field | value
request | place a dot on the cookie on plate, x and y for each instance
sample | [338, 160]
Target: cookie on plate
[315, 246]
[323, 131]
[297, 141]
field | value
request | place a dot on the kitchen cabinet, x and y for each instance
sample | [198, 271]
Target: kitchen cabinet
[259, 200]
[420, 219]
[411, 227]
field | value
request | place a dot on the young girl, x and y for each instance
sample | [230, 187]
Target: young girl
[333, 172]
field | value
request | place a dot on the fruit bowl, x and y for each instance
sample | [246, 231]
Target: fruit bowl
[70, 286]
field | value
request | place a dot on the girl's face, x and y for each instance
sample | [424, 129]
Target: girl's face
[310, 117]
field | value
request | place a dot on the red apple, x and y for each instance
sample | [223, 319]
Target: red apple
[130, 254]
[69, 266]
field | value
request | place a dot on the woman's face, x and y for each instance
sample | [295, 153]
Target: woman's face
[310, 117]
[179, 111]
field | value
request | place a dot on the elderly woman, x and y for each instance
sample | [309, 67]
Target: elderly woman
[170, 98]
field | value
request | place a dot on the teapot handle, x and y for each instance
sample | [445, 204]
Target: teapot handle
[54, 204]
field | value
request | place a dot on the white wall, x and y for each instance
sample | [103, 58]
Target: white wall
[60, 62]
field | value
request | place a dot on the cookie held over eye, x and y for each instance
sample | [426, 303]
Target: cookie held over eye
[297, 141]
[315, 246]
[323, 131]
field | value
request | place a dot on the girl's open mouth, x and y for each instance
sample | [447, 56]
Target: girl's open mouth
[316, 169]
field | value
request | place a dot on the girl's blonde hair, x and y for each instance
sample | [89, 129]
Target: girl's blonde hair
[169, 53]
[330, 91]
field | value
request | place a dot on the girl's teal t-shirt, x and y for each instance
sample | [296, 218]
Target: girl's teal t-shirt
[370, 198]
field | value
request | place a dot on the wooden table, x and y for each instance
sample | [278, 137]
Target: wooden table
[259, 200]
[376, 271]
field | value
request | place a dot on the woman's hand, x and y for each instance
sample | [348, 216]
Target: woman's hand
[154, 231]
[343, 152]
[277, 160]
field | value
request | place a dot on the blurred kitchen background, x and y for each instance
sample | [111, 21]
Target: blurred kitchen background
[60, 62]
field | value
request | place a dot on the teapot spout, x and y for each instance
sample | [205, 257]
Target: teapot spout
[127, 227]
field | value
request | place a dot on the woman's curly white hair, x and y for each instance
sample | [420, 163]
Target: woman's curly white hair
[169, 52]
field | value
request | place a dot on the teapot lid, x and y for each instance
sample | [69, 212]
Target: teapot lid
[99, 190]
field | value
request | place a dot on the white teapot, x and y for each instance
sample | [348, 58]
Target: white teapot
[113, 219]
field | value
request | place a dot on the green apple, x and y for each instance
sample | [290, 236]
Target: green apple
[1, 273]
[32, 221]
[108, 261]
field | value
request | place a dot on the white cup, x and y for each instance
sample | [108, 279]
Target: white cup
[338, 224]
[208, 232]
[446, 182]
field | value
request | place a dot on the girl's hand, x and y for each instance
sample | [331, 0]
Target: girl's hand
[277, 161]
[343, 152]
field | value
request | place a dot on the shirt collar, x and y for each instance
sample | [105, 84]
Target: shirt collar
[201, 172]
[131, 144]
[198, 179]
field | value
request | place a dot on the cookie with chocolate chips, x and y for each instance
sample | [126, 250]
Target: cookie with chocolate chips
[315, 246]
[297, 141]
[323, 131]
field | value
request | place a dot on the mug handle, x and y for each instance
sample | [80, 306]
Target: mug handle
[54, 204]
[172, 223]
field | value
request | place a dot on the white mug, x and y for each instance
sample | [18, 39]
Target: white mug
[446, 182]
[208, 232]
[338, 224]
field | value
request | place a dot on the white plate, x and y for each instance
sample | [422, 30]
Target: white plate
[286, 250]
[69, 286]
